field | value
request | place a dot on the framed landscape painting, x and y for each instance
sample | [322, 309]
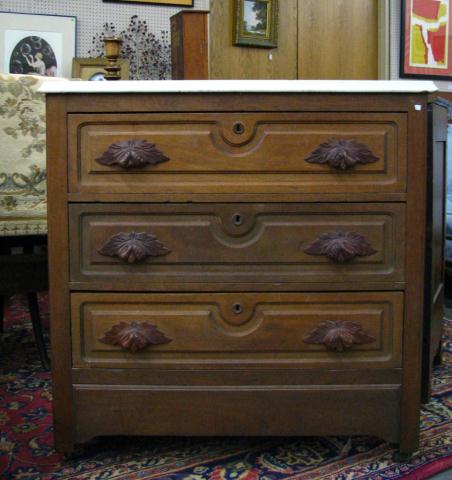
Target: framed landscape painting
[37, 44]
[256, 23]
[425, 47]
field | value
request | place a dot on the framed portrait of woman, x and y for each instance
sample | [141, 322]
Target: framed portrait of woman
[37, 44]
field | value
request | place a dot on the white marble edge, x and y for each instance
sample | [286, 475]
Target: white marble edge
[241, 86]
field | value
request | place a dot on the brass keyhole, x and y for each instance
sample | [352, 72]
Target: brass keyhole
[238, 128]
[237, 308]
[237, 219]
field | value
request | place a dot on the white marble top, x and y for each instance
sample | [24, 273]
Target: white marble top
[225, 86]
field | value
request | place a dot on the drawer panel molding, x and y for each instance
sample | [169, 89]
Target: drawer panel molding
[239, 330]
[246, 153]
[128, 245]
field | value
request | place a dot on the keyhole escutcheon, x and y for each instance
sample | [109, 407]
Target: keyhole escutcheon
[237, 308]
[237, 219]
[238, 128]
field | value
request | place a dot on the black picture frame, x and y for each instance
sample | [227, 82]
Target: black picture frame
[406, 71]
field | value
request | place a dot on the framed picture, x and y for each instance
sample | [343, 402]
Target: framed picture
[93, 68]
[256, 23]
[37, 44]
[180, 3]
[425, 43]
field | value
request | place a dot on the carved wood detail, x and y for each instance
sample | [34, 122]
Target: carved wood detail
[134, 247]
[132, 154]
[342, 154]
[339, 335]
[134, 336]
[341, 247]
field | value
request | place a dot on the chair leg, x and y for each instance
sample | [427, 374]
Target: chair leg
[437, 360]
[32, 298]
[2, 311]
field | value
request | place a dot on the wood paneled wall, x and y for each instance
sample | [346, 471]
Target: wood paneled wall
[318, 39]
[338, 39]
[230, 62]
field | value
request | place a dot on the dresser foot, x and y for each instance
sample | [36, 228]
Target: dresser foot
[76, 453]
[402, 457]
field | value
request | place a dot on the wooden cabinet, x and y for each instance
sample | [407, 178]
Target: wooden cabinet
[221, 256]
[190, 45]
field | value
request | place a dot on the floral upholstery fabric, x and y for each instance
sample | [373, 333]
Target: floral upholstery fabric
[23, 202]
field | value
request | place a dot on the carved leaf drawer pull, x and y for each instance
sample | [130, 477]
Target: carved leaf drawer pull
[133, 247]
[342, 154]
[134, 336]
[339, 335]
[132, 154]
[340, 247]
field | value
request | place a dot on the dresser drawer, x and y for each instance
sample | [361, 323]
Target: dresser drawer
[237, 153]
[149, 246]
[238, 329]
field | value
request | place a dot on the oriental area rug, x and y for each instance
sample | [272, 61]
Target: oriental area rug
[26, 439]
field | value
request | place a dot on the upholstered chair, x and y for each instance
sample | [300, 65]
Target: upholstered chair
[23, 215]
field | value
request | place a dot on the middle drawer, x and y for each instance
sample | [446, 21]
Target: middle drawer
[129, 246]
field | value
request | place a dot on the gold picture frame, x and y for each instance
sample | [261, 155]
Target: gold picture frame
[93, 68]
[182, 3]
[256, 23]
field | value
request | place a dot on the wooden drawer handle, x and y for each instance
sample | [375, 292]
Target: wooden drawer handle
[340, 247]
[132, 154]
[133, 247]
[339, 335]
[134, 336]
[342, 154]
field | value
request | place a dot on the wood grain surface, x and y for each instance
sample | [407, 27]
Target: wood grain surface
[318, 39]
[338, 39]
[230, 62]
[204, 154]
[237, 285]
[239, 330]
[205, 243]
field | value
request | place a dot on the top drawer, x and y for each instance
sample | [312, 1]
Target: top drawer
[237, 153]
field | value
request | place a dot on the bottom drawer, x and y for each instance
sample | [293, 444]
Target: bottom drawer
[237, 330]
[314, 410]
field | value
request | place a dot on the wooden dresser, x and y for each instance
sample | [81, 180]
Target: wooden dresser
[237, 258]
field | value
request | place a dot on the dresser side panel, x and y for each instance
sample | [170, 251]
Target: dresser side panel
[414, 268]
[58, 246]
